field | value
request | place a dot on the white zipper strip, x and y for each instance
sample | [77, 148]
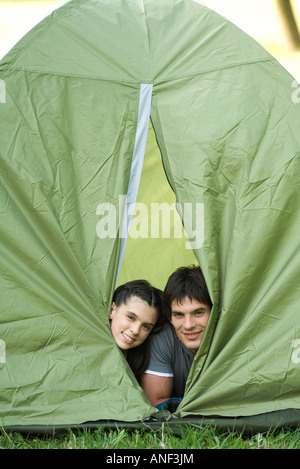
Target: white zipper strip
[137, 163]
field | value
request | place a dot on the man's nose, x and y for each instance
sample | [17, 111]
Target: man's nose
[188, 322]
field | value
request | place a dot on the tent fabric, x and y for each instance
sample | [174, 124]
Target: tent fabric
[224, 136]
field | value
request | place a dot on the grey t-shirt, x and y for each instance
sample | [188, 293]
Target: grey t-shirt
[171, 358]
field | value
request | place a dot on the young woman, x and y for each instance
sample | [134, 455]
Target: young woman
[137, 311]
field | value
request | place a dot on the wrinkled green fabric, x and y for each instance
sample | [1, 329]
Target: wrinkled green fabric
[56, 274]
[227, 130]
[249, 166]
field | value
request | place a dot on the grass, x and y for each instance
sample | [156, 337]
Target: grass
[163, 439]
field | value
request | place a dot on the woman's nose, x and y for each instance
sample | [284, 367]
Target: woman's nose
[135, 328]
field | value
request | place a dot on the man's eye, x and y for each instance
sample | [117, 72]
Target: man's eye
[199, 313]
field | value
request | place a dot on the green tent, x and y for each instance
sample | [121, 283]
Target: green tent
[119, 118]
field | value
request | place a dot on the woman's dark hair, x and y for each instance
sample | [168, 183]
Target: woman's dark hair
[186, 282]
[138, 357]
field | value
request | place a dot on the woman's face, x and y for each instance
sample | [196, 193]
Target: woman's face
[132, 322]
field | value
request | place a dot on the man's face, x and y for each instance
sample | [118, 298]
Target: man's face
[189, 318]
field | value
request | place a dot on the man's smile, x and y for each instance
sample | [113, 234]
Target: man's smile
[192, 335]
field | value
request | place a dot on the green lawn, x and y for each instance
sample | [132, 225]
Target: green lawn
[163, 439]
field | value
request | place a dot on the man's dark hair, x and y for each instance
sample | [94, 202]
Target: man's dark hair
[186, 282]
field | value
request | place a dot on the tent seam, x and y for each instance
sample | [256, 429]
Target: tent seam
[141, 81]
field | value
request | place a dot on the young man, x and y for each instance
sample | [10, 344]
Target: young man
[173, 349]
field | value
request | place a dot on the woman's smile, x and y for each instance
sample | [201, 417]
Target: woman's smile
[127, 338]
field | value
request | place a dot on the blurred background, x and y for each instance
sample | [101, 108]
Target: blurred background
[275, 24]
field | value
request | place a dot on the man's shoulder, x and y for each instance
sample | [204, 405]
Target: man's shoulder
[169, 357]
[166, 333]
[167, 339]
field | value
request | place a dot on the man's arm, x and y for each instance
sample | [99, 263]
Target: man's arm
[157, 388]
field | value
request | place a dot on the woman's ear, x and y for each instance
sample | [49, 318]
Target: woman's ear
[112, 309]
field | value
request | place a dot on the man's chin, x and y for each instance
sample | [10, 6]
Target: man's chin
[192, 342]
